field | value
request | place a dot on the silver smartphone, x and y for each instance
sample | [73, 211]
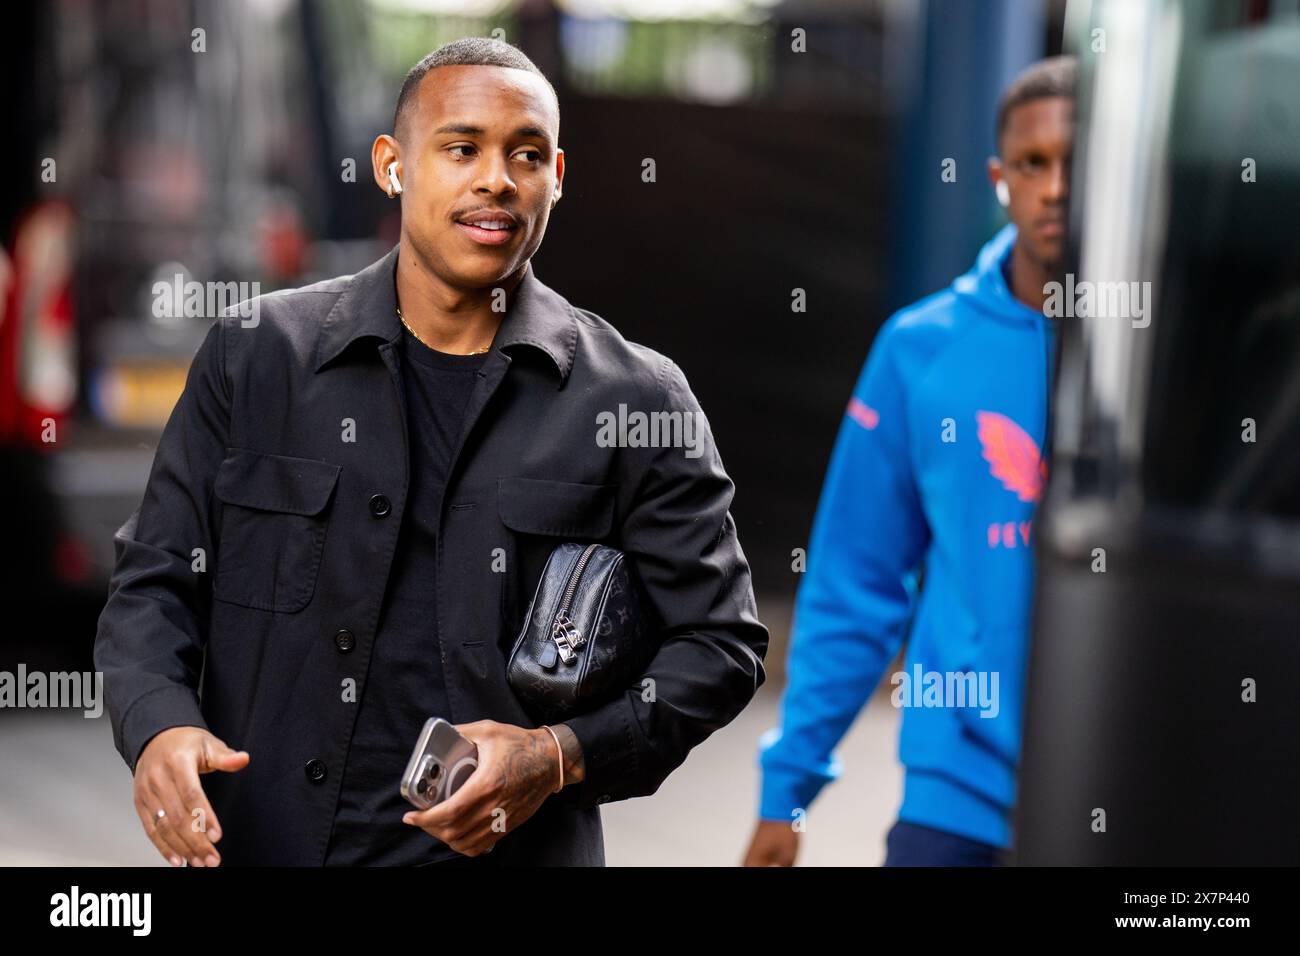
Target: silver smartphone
[439, 766]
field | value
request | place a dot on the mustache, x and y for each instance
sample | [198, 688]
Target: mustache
[462, 214]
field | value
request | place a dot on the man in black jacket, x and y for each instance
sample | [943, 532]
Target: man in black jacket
[350, 507]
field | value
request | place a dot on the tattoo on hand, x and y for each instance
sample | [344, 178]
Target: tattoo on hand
[532, 762]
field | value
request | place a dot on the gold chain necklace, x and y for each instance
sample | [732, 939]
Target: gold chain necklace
[427, 345]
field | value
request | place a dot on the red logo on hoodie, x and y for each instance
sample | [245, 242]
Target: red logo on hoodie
[1013, 457]
[1014, 460]
[863, 414]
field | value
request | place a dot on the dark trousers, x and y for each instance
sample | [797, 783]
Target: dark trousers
[911, 844]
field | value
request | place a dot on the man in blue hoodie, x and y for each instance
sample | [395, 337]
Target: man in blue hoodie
[938, 465]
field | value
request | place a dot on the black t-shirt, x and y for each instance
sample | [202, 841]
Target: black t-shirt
[404, 686]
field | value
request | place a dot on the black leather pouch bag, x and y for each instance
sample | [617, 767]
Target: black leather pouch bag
[588, 635]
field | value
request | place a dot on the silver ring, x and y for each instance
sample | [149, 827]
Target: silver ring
[159, 815]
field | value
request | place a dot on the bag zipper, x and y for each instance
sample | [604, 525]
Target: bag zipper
[564, 632]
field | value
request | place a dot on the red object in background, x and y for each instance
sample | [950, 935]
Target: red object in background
[284, 243]
[38, 344]
[73, 562]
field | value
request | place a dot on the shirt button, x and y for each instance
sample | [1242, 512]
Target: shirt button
[379, 505]
[315, 770]
[344, 640]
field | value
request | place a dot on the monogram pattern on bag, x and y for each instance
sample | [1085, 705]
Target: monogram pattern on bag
[622, 627]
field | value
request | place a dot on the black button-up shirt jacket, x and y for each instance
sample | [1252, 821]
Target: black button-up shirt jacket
[249, 582]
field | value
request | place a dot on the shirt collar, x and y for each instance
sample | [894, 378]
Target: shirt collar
[538, 317]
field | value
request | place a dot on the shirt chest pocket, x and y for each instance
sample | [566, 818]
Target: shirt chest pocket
[273, 524]
[539, 514]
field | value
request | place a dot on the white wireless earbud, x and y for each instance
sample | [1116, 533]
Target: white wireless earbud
[394, 184]
[1004, 193]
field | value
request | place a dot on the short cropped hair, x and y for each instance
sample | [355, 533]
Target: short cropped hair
[467, 51]
[1055, 76]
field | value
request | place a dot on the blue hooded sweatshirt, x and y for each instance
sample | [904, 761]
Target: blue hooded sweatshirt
[936, 466]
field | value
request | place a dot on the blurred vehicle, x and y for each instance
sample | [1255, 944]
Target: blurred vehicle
[1163, 720]
[167, 157]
